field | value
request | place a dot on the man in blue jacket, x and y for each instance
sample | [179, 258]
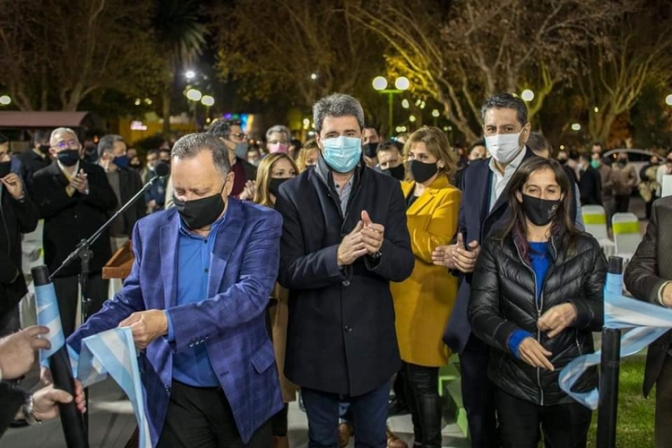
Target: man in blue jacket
[196, 301]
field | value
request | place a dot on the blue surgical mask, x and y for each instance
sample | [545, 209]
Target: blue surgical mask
[121, 161]
[342, 154]
[241, 150]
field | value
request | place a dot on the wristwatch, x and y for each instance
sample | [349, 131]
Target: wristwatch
[28, 411]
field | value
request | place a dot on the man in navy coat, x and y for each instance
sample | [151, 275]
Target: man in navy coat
[196, 301]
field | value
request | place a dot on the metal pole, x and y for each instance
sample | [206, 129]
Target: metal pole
[390, 112]
[610, 366]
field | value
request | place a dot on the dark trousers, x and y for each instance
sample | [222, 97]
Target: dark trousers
[663, 429]
[10, 322]
[521, 423]
[622, 203]
[422, 394]
[202, 417]
[67, 294]
[279, 422]
[478, 394]
[649, 205]
[369, 414]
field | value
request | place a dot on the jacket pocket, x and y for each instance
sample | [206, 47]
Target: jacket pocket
[263, 358]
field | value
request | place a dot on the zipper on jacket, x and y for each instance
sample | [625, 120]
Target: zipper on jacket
[539, 305]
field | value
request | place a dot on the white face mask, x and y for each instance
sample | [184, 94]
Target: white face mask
[503, 147]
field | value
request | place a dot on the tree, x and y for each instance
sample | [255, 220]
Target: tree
[472, 49]
[55, 54]
[636, 52]
[292, 49]
[180, 36]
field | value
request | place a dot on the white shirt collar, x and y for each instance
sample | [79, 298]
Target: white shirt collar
[511, 167]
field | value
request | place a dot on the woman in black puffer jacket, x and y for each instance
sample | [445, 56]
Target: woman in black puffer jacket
[536, 297]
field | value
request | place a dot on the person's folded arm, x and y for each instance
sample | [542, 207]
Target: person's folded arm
[484, 312]
[641, 275]
[299, 270]
[241, 302]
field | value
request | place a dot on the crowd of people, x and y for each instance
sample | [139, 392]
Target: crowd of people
[335, 270]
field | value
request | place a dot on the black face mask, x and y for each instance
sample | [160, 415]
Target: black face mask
[398, 172]
[370, 150]
[274, 186]
[44, 149]
[5, 168]
[539, 211]
[199, 213]
[68, 157]
[422, 172]
[562, 161]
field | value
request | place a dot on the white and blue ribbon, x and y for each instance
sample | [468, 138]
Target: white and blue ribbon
[646, 323]
[110, 353]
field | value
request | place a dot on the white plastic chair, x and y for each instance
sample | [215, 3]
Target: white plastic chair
[595, 222]
[626, 234]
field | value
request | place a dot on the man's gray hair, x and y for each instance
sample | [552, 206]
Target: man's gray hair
[192, 144]
[506, 101]
[59, 131]
[281, 129]
[106, 143]
[337, 105]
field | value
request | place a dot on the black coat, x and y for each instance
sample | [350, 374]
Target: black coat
[130, 183]
[648, 271]
[590, 186]
[31, 163]
[16, 217]
[341, 336]
[70, 219]
[12, 399]
[502, 301]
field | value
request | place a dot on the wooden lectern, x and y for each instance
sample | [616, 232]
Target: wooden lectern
[119, 266]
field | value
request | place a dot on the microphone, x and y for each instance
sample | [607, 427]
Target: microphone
[161, 169]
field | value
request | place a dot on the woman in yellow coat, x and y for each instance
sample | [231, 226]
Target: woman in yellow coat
[424, 301]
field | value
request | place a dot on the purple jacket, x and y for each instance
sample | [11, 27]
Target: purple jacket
[231, 322]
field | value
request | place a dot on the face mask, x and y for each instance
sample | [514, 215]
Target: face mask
[398, 172]
[595, 163]
[274, 185]
[136, 166]
[44, 149]
[503, 147]
[370, 150]
[254, 162]
[5, 168]
[539, 211]
[422, 172]
[278, 147]
[68, 157]
[199, 213]
[342, 154]
[241, 150]
[562, 160]
[121, 161]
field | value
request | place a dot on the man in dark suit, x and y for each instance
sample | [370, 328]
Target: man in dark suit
[231, 133]
[75, 199]
[17, 215]
[648, 277]
[483, 210]
[590, 183]
[35, 158]
[344, 240]
[196, 301]
[125, 182]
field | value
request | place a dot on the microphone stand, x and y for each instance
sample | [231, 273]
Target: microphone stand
[84, 253]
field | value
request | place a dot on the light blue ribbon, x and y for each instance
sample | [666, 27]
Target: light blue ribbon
[110, 353]
[646, 322]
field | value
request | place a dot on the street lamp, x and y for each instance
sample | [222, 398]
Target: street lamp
[5, 100]
[527, 95]
[207, 101]
[576, 127]
[190, 74]
[436, 114]
[380, 84]
[668, 100]
[313, 76]
[194, 95]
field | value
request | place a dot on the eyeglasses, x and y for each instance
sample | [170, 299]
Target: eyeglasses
[73, 144]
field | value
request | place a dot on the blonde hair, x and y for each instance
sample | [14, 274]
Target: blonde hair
[437, 144]
[308, 147]
[262, 195]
